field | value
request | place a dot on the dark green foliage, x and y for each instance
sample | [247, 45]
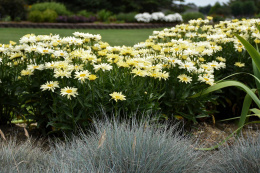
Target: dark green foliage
[236, 8]
[205, 10]
[218, 18]
[35, 16]
[49, 15]
[249, 8]
[85, 13]
[126, 17]
[192, 15]
[59, 8]
[117, 6]
[14, 8]
[104, 15]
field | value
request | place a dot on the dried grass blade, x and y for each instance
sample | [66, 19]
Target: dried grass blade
[2, 135]
[102, 139]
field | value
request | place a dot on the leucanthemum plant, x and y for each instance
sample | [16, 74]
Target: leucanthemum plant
[64, 81]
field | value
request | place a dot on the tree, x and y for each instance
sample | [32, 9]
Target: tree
[205, 10]
[117, 6]
[236, 8]
[249, 8]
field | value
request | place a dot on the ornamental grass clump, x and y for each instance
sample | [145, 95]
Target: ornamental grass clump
[241, 157]
[126, 147]
[23, 157]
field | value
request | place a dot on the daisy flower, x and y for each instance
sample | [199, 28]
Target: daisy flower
[82, 75]
[26, 72]
[117, 96]
[50, 86]
[103, 66]
[239, 64]
[69, 91]
[184, 78]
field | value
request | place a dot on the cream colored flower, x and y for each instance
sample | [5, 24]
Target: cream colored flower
[103, 67]
[26, 72]
[117, 96]
[69, 91]
[50, 86]
[82, 75]
[184, 78]
[239, 64]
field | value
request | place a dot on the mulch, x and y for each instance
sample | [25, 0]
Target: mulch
[85, 25]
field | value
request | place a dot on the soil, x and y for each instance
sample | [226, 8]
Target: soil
[205, 133]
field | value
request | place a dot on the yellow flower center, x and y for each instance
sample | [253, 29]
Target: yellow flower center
[82, 75]
[35, 66]
[50, 85]
[45, 51]
[69, 91]
[185, 79]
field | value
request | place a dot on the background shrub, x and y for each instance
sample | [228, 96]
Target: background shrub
[126, 17]
[35, 16]
[218, 18]
[192, 15]
[49, 15]
[59, 8]
[103, 15]
[85, 13]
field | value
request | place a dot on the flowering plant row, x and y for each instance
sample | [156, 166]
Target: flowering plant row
[158, 17]
[61, 83]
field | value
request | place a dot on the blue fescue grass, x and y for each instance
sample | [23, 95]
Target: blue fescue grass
[126, 147]
[21, 158]
[241, 157]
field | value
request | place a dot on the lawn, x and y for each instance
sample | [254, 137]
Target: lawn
[115, 37]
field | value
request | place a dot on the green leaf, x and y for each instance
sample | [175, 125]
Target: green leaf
[225, 84]
[255, 110]
[258, 27]
[245, 109]
[251, 50]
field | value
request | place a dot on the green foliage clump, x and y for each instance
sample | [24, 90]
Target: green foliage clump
[59, 8]
[85, 13]
[192, 15]
[104, 15]
[35, 16]
[126, 17]
[49, 15]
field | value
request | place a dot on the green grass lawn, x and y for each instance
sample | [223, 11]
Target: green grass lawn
[115, 37]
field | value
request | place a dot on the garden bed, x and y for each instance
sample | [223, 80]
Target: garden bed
[85, 25]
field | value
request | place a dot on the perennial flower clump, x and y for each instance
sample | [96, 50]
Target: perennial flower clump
[63, 81]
